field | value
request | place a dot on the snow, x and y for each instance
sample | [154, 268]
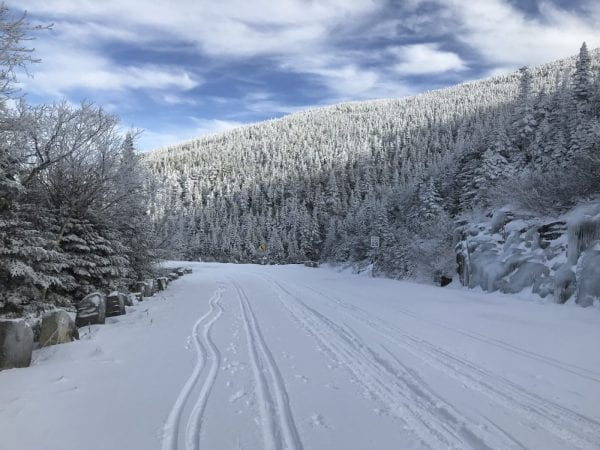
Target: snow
[243, 356]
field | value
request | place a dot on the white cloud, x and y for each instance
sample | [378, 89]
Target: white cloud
[290, 30]
[426, 59]
[231, 28]
[344, 78]
[505, 36]
[175, 99]
[80, 68]
[263, 102]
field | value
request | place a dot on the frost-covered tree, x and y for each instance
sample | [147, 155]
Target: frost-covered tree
[582, 78]
[72, 203]
[525, 123]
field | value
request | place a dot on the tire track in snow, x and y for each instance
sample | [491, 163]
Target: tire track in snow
[171, 429]
[406, 395]
[569, 426]
[278, 426]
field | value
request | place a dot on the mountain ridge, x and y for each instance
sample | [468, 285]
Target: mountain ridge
[381, 101]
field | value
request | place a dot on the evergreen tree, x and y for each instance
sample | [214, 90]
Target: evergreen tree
[582, 78]
[524, 121]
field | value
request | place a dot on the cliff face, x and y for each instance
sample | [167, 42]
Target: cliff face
[555, 258]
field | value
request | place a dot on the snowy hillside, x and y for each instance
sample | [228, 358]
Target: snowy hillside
[317, 185]
[253, 357]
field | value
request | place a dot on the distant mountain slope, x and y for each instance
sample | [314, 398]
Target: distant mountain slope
[317, 184]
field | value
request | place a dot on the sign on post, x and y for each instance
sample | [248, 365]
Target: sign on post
[374, 241]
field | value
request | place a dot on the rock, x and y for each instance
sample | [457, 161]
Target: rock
[91, 310]
[311, 264]
[551, 232]
[527, 273]
[57, 328]
[16, 344]
[500, 219]
[136, 296]
[445, 280]
[140, 287]
[583, 231]
[130, 299]
[150, 288]
[187, 270]
[115, 304]
[172, 276]
[162, 283]
[565, 284]
[588, 278]
[180, 271]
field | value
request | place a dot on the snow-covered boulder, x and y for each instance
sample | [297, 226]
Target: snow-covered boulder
[187, 270]
[140, 287]
[311, 264]
[91, 310]
[16, 343]
[130, 299]
[172, 276]
[180, 271]
[150, 288]
[162, 283]
[588, 271]
[583, 229]
[115, 304]
[57, 328]
[500, 219]
[565, 284]
[135, 296]
[526, 273]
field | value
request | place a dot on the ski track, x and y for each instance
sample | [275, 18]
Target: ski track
[193, 428]
[404, 393]
[571, 368]
[278, 426]
[172, 427]
[568, 425]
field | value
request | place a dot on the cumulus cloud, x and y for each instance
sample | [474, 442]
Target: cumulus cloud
[228, 28]
[506, 36]
[70, 64]
[426, 59]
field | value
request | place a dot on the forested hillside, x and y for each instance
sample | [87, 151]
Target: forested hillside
[318, 184]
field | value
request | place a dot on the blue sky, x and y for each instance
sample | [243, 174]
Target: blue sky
[182, 68]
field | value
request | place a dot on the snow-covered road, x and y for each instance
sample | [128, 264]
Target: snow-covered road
[256, 357]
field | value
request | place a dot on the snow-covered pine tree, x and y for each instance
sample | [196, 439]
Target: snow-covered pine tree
[524, 123]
